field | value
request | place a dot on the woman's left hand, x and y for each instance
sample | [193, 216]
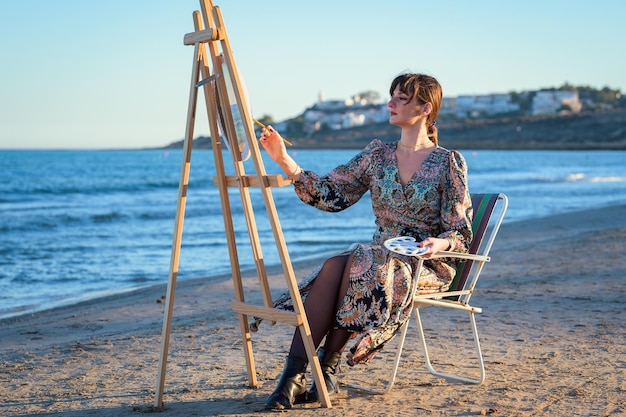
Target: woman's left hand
[434, 245]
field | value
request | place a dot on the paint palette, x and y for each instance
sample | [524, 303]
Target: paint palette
[405, 245]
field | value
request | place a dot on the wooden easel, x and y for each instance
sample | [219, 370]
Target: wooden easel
[212, 44]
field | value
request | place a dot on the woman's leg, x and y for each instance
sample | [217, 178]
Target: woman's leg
[320, 313]
[321, 316]
[336, 340]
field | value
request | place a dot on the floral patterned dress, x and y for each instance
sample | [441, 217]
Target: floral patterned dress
[435, 203]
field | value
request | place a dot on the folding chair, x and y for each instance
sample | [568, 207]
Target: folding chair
[485, 227]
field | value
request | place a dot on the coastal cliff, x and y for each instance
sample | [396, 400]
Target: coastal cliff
[600, 130]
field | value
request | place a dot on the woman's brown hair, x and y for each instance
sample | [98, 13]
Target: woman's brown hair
[427, 90]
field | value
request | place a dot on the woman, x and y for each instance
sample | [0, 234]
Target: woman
[418, 189]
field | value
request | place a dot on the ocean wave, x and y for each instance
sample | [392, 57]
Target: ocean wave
[29, 226]
[50, 221]
[580, 177]
[607, 179]
[52, 189]
[574, 177]
[156, 215]
[107, 217]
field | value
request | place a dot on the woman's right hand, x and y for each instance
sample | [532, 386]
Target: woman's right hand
[273, 144]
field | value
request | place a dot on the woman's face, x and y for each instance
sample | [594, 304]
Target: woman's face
[402, 110]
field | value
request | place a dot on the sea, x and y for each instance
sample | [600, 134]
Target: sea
[80, 224]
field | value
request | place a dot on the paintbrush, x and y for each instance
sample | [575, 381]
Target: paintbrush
[264, 127]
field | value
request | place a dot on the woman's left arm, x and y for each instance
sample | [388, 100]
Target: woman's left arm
[456, 206]
[455, 211]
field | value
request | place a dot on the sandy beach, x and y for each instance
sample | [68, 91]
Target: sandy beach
[552, 332]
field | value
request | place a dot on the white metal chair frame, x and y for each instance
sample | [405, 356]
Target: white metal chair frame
[460, 302]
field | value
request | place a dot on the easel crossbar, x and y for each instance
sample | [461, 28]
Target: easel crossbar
[267, 313]
[201, 36]
[253, 181]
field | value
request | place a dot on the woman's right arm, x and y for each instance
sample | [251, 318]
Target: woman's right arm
[274, 145]
[342, 186]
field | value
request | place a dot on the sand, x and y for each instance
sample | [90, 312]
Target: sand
[552, 333]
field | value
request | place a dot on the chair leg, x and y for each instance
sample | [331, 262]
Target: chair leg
[429, 365]
[396, 364]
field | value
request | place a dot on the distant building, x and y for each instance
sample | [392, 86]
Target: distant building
[556, 101]
[485, 105]
[331, 105]
[366, 108]
[357, 110]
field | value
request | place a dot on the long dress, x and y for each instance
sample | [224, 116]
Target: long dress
[434, 203]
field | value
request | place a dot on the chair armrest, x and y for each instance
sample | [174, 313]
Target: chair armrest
[460, 255]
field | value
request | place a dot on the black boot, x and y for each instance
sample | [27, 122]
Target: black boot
[291, 387]
[330, 365]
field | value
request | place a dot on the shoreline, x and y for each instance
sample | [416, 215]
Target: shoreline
[552, 338]
[299, 263]
[79, 301]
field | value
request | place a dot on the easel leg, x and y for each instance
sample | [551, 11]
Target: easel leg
[211, 108]
[178, 231]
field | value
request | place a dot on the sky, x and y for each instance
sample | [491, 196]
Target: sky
[110, 74]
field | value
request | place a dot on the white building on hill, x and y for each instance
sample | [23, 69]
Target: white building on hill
[485, 105]
[358, 110]
[366, 108]
[556, 101]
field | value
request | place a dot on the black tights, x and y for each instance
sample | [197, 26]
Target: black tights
[321, 305]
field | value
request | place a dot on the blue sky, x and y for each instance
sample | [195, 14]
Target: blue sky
[115, 74]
